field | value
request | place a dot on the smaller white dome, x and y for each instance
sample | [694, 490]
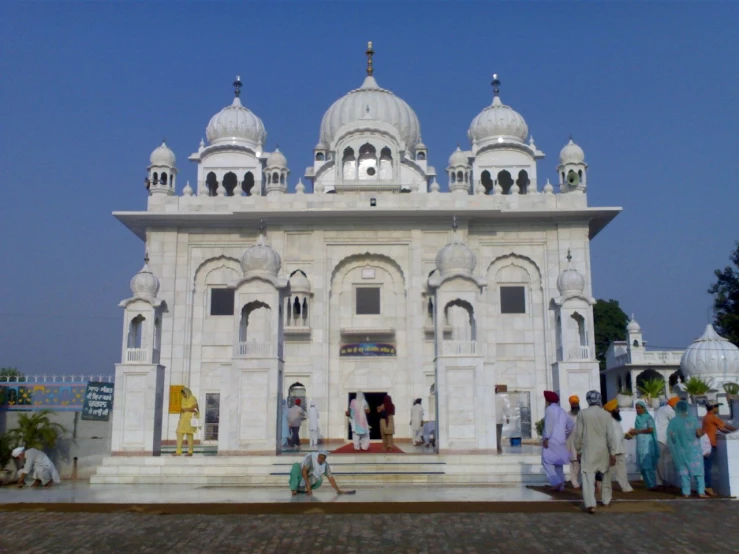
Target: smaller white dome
[145, 284]
[162, 155]
[633, 326]
[711, 356]
[277, 159]
[498, 121]
[300, 187]
[458, 158]
[261, 259]
[570, 280]
[548, 188]
[236, 123]
[455, 257]
[187, 191]
[571, 154]
[435, 187]
[299, 282]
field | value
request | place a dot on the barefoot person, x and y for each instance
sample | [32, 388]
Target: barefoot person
[306, 476]
[357, 414]
[683, 438]
[188, 410]
[37, 465]
[554, 453]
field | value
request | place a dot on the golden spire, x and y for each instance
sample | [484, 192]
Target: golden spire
[370, 52]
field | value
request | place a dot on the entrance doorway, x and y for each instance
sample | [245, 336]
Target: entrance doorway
[374, 400]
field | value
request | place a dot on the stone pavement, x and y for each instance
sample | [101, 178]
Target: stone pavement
[688, 527]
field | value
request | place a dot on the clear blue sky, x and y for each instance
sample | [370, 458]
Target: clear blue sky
[89, 89]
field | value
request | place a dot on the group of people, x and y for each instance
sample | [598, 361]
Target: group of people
[292, 419]
[357, 414]
[592, 441]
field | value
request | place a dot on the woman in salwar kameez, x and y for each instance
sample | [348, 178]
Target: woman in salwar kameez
[188, 410]
[683, 439]
[647, 448]
[306, 476]
[357, 413]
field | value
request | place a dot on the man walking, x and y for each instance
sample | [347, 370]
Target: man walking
[595, 445]
[295, 416]
[619, 468]
[574, 464]
[554, 453]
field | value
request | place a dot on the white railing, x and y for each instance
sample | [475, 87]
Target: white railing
[255, 349]
[53, 378]
[459, 347]
[580, 353]
[663, 357]
[137, 355]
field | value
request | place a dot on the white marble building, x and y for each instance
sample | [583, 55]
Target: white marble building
[363, 252]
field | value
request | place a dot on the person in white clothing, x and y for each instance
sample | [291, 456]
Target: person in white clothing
[37, 465]
[416, 421]
[313, 423]
[665, 466]
[502, 414]
[357, 414]
[619, 468]
[557, 428]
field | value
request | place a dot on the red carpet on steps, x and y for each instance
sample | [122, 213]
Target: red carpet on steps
[375, 448]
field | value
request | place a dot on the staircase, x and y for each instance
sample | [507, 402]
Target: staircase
[360, 470]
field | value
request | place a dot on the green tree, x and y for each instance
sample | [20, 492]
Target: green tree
[8, 372]
[610, 325]
[36, 430]
[725, 293]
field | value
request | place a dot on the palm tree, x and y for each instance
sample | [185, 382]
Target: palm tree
[36, 430]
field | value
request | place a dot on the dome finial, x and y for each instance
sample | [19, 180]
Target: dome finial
[569, 256]
[496, 85]
[370, 52]
[262, 227]
[454, 223]
[146, 257]
[237, 86]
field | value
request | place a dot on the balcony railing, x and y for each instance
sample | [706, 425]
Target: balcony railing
[575, 353]
[459, 347]
[255, 349]
[137, 355]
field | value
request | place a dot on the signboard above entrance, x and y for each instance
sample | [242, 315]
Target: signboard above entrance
[367, 349]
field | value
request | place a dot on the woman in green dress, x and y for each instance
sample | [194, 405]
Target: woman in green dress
[308, 475]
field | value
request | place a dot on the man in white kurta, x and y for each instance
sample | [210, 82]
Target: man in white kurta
[619, 468]
[595, 444]
[502, 415]
[554, 453]
[37, 465]
[416, 421]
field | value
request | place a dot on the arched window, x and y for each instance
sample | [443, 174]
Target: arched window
[421, 156]
[636, 342]
[367, 168]
[155, 175]
[275, 177]
[304, 312]
[563, 176]
[579, 173]
[319, 156]
[460, 176]
[248, 183]
[349, 164]
[164, 178]
[386, 164]
[460, 316]
[229, 183]
[430, 312]
[136, 332]
[579, 324]
[254, 324]
[506, 181]
[295, 392]
[453, 177]
[211, 183]
[523, 182]
[486, 181]
[282, 178]
[296, 309]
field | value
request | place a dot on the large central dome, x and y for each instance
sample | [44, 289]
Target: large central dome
[370, 102]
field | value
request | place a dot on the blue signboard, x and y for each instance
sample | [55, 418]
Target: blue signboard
[368, 349]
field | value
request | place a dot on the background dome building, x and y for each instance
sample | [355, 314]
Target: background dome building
[361, 284]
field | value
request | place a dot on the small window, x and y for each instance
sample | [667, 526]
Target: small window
[368, 301]
[512, 300]
[221, 302]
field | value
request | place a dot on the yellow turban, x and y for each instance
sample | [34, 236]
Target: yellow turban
[574, 399]
[672, 402]
[610, 406]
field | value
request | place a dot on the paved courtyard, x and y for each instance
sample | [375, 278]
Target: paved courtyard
[684, 527]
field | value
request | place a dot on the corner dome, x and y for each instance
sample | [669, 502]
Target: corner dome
[711, 356]
[261, 259]
[162, 155]
[498, 122]
[458, 157]
[370, 102]
[299, 282]
[570, 281]
[234, 124]
[572, 154]
[633, 326]
[277, 159]
[145, 284]
[455, 257]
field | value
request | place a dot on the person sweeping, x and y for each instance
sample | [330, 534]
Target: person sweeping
[306, 476]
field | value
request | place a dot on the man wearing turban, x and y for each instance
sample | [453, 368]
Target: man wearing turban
[554, 453]
[37, 465]
[595, 444]
[574, 463]
[619, 468]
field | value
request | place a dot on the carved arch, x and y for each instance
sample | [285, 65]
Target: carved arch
[212, 264]
[526, 263]
[365, 257]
